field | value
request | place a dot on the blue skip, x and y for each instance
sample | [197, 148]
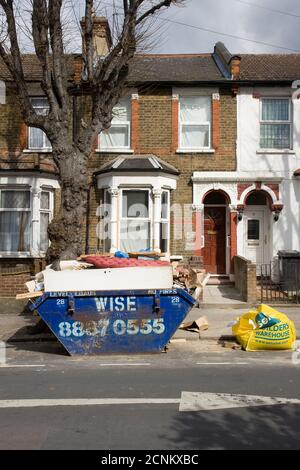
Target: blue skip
[114, 322]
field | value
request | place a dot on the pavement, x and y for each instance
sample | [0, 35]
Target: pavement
[13, 327]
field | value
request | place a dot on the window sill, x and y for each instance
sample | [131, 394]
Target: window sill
[37, 151]
[114, 151]
[195, 151]
[21, 255]
[275, 152]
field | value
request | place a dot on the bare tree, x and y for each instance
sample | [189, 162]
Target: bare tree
[105, 81]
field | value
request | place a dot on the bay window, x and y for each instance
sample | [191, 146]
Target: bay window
[24, 218]
[276, 123]
[15, 221]
[37, 139]
[117, 137]
[195, 122]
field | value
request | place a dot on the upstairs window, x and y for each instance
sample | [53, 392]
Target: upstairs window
[195, 122]
[37, 138]
[117, 137]
[276, 123]
[15, 221]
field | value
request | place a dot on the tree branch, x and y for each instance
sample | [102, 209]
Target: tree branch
[14, 64]
[59, 65]
[155, 8]
[88, 46]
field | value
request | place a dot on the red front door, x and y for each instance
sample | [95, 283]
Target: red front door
[214, 252]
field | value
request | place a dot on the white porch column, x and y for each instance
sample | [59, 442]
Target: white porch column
[157, 193]
[114, 192]
[35, 228]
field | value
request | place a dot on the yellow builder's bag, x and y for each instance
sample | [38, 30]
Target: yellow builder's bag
[264, 328]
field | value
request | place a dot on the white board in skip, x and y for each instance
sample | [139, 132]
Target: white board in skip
[142, 278]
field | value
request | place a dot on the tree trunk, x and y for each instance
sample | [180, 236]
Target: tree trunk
[66, 229]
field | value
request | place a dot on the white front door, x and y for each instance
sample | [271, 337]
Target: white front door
[257, 235]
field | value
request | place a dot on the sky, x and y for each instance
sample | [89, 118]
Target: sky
[256, 27]
[245, 19]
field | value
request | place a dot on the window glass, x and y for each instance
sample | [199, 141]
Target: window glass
[195, 109]
[44, 241]
[275, 128]
[45, 200]
[15, 217]
[253, 229]
[37, 137]
[106, 226]
[135, 235]
[165, 205]
[15, 199]
[275, 110]
[164, 235]
[135, 204]
[275, 136]
[195, 122]
[118, 135]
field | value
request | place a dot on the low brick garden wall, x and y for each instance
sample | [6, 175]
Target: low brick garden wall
[245, 279]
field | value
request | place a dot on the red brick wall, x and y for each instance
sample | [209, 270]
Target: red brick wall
[13, 284]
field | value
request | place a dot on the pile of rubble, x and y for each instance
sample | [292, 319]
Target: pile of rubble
[191, 279]
[105, 267]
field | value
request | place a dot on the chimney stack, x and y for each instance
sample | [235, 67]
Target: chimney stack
[228, 64]
[102, 40]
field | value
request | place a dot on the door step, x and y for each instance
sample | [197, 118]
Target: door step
[219, 280]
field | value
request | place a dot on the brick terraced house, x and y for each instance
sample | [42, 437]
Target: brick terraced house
[201, 158]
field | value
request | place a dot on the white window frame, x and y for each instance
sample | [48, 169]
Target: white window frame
[141, 219]
[167, 220]
[49, 211]
[44, 148]
[21, 189]
[193, 123]
[289, 122]
[127, 148]
[35, 220]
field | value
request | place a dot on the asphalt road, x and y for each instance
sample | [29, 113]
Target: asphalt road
[140, 400]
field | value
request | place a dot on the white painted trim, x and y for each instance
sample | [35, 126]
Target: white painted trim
[275, 152]
[28, 181]
[235, 177]
[265, 188]
[137, 179]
